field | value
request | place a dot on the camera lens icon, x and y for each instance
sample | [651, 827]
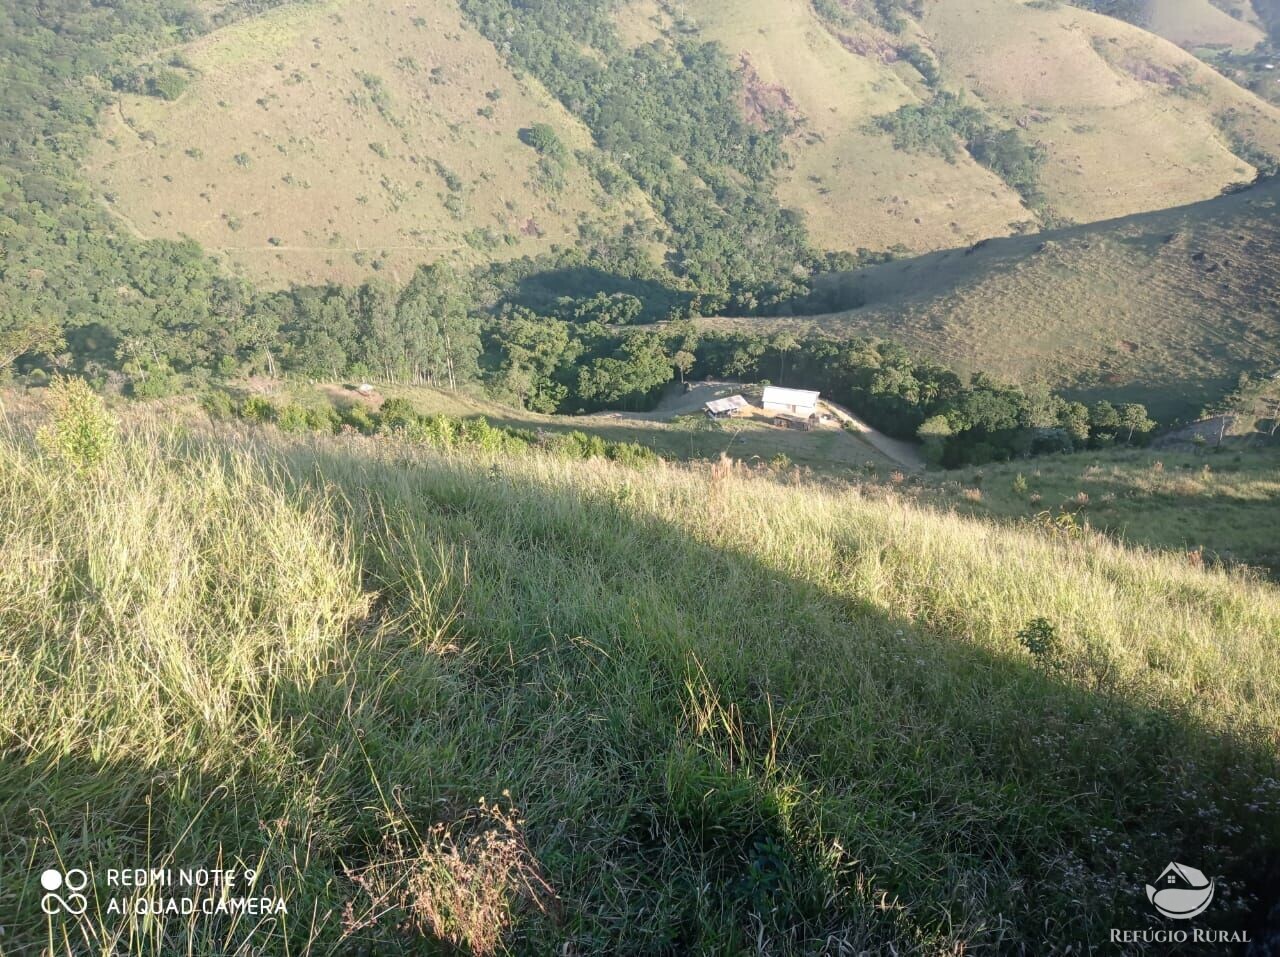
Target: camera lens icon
[73, 881]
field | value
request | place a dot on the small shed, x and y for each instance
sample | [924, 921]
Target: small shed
[801, 423]
[725, 408]
[798, 402]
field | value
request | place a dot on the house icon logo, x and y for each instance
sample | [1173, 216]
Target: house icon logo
[1180, 892]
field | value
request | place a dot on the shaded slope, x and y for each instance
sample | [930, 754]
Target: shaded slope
[726, 712]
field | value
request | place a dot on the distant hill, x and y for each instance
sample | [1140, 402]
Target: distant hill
[322, 141]
[1200, 23]
[1126, 121]
[1165, 308]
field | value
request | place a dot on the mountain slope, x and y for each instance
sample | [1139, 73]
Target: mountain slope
[316, 140]
[1200, 23]
[1127, 121]
[855, 188]
[1165, 308]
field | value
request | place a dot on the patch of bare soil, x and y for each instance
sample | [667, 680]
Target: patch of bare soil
[762, 101]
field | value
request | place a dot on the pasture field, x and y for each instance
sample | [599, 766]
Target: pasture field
[325, 141]
[1212, 506]
[1165, 308]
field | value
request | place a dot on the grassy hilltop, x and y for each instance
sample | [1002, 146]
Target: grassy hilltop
[519, 703]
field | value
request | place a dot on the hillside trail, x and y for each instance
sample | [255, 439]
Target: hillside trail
[902, 452]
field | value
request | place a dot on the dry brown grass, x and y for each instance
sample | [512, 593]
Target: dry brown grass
[464, 882]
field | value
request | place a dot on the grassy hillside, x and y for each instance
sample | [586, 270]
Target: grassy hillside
[1126, 122]
[1165, 308]
[1209, 507]
[520, 704]
[855, 188]
[321, 141]
[1199, 23]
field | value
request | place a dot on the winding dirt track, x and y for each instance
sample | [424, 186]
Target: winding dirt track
[904, 453]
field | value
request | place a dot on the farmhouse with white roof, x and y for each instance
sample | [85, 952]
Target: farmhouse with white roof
[799, 402]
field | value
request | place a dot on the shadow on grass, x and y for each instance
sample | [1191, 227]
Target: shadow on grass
[709, 750]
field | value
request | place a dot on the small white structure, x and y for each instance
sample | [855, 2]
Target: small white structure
[798, 402]
[725, 408]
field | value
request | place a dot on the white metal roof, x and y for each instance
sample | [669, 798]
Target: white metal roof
[775, 395]
[727, 404]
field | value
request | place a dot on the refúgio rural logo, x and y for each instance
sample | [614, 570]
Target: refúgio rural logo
[1180, 892]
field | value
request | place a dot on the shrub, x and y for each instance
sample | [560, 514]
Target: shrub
[81, 433]
[167, 84]
[257, 408]
[438, 430]
[292, 418]
[632, 454]
[218, 405]
[358, 417]
[152, 380]
[323, 418]
[1041, 639]
[543, 138]
[397, 414]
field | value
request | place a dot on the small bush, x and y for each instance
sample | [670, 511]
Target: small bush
[292, 418]
[397, 414]
[167, 84]
[358, 417]
[218, 405]
[632, 454]
[81, 434]
[323, 418]
[257, 408]
[1041, 639]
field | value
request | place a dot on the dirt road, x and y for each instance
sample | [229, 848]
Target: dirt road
[904, 453]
